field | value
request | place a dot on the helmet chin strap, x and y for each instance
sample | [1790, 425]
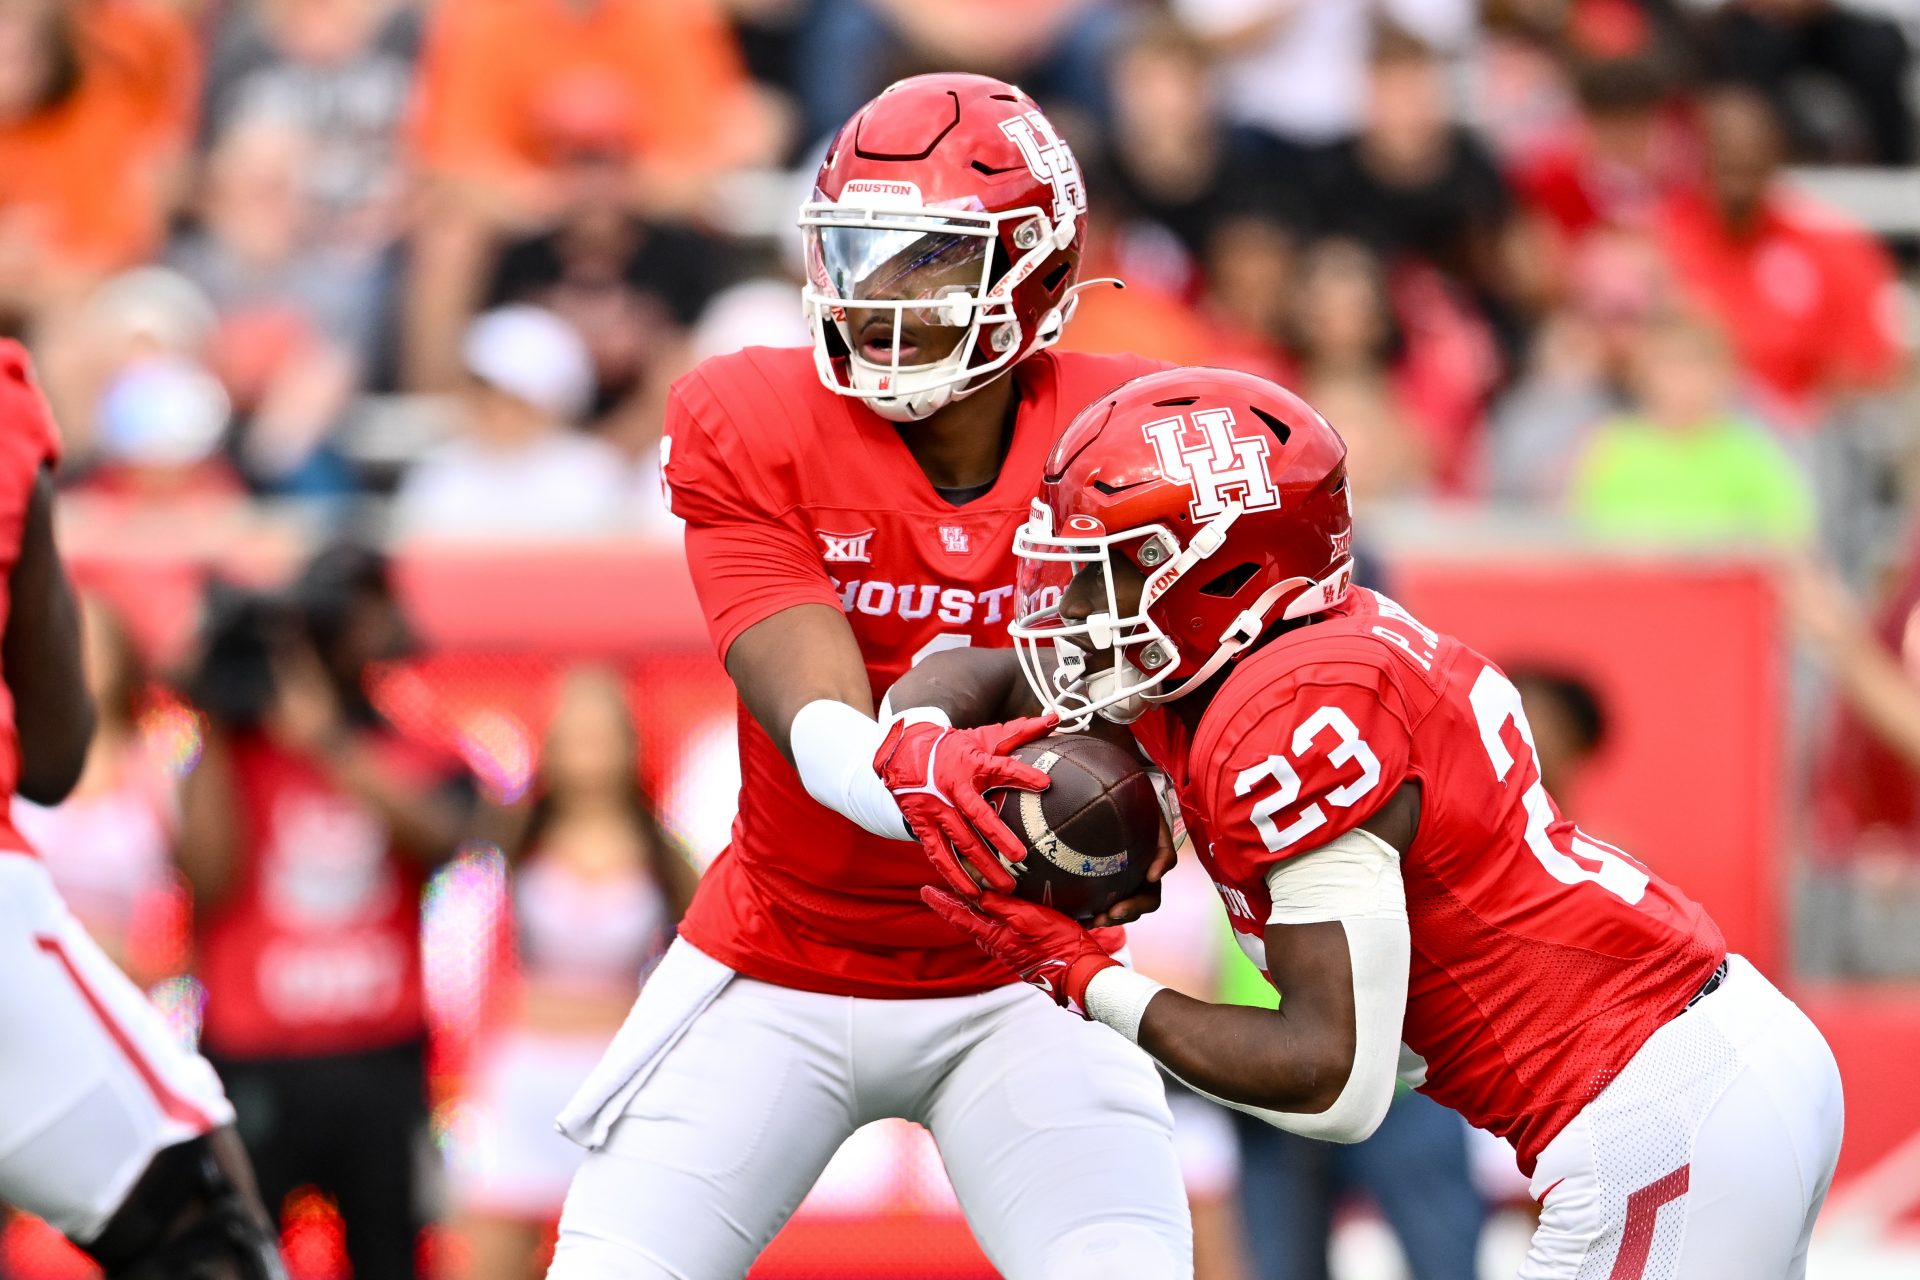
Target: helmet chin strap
[1124, 710]
[1315, 595]
[1240, 633]
[913, 407]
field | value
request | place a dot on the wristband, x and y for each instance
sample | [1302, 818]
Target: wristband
[1118, 996]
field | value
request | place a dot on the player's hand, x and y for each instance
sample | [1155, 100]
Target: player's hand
[937, 776]
[1131, 908]
[1044, 947]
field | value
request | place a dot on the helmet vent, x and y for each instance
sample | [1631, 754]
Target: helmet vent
[1176, 402]
[1280, 429]
[1227, 584]
[1004, 97]
[993, 171]
[1111, 489]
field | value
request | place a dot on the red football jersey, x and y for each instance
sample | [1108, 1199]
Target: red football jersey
[794, 495]
[28, 441]
[316, 949]
[1542, 958]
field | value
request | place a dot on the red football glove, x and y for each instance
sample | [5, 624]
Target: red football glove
[937, 774]
[1044, 947]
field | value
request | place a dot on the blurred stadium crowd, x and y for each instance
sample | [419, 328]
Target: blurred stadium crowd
[295, 271]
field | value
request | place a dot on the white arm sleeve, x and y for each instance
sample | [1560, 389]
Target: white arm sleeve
[833, 747]
[1354, 879]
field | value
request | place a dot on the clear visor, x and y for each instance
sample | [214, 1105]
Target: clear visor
[909, 292]
[945, 270]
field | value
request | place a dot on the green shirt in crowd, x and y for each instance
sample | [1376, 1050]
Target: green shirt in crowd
[1724, 480]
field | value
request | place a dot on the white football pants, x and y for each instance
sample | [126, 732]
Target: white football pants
[93, 1085]
[1054, 1131]
[1706, 1158]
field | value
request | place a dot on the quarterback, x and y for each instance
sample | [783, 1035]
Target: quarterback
[849, 510]
[108, 1128]
[1364, 793]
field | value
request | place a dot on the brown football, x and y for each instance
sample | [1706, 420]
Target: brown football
[1091, 834]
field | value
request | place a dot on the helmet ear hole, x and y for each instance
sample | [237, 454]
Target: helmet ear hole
[1052, 281]
[1228, 584]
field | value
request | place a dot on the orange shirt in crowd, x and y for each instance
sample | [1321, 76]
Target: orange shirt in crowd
[1806, 297]
[82, 180]
[1146, 321]
[156, 51]
[500, 75]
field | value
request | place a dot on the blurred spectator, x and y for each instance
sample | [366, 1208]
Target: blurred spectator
[1250, 269]
[1569, 727]
[1414, 186]
[89, 135]
[1353, 367]
[307, 830]
[597, 889]
[1684, 465]
[1176, 166]
[1523, 96]
[1806, 296]
[338, 73]
[754, 313]
[852, 49]
[1578, 368]
[1839, 77]
[138, 314]
[1150, 321]
[503, 79]
[1628, 148]
[1297, 69]
[769, 34]
[157, 432]
[1149, 316]
[498, 74]
[108, 844]
[294, 316]
[1415, 1169]
[1874, 780]
[1859, 902]
[630, 287]
[518, 468]
[153, 44]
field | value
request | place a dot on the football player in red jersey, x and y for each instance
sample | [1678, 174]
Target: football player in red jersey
[1364, 793]
[849, 509]
[109, 1129]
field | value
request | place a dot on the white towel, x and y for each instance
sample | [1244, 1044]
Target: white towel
[678, 990]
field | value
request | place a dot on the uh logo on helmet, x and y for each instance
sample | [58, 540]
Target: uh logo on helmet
[1223, 493]
[942, 241]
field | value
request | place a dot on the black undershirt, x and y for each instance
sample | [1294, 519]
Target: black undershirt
[962, 496]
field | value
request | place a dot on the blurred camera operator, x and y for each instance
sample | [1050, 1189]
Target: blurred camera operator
[307, 831]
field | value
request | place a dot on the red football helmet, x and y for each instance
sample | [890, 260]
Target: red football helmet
[946, 203]
[1226, 491]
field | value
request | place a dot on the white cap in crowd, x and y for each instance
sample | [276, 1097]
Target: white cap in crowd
[161, 411]
[532, 354]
